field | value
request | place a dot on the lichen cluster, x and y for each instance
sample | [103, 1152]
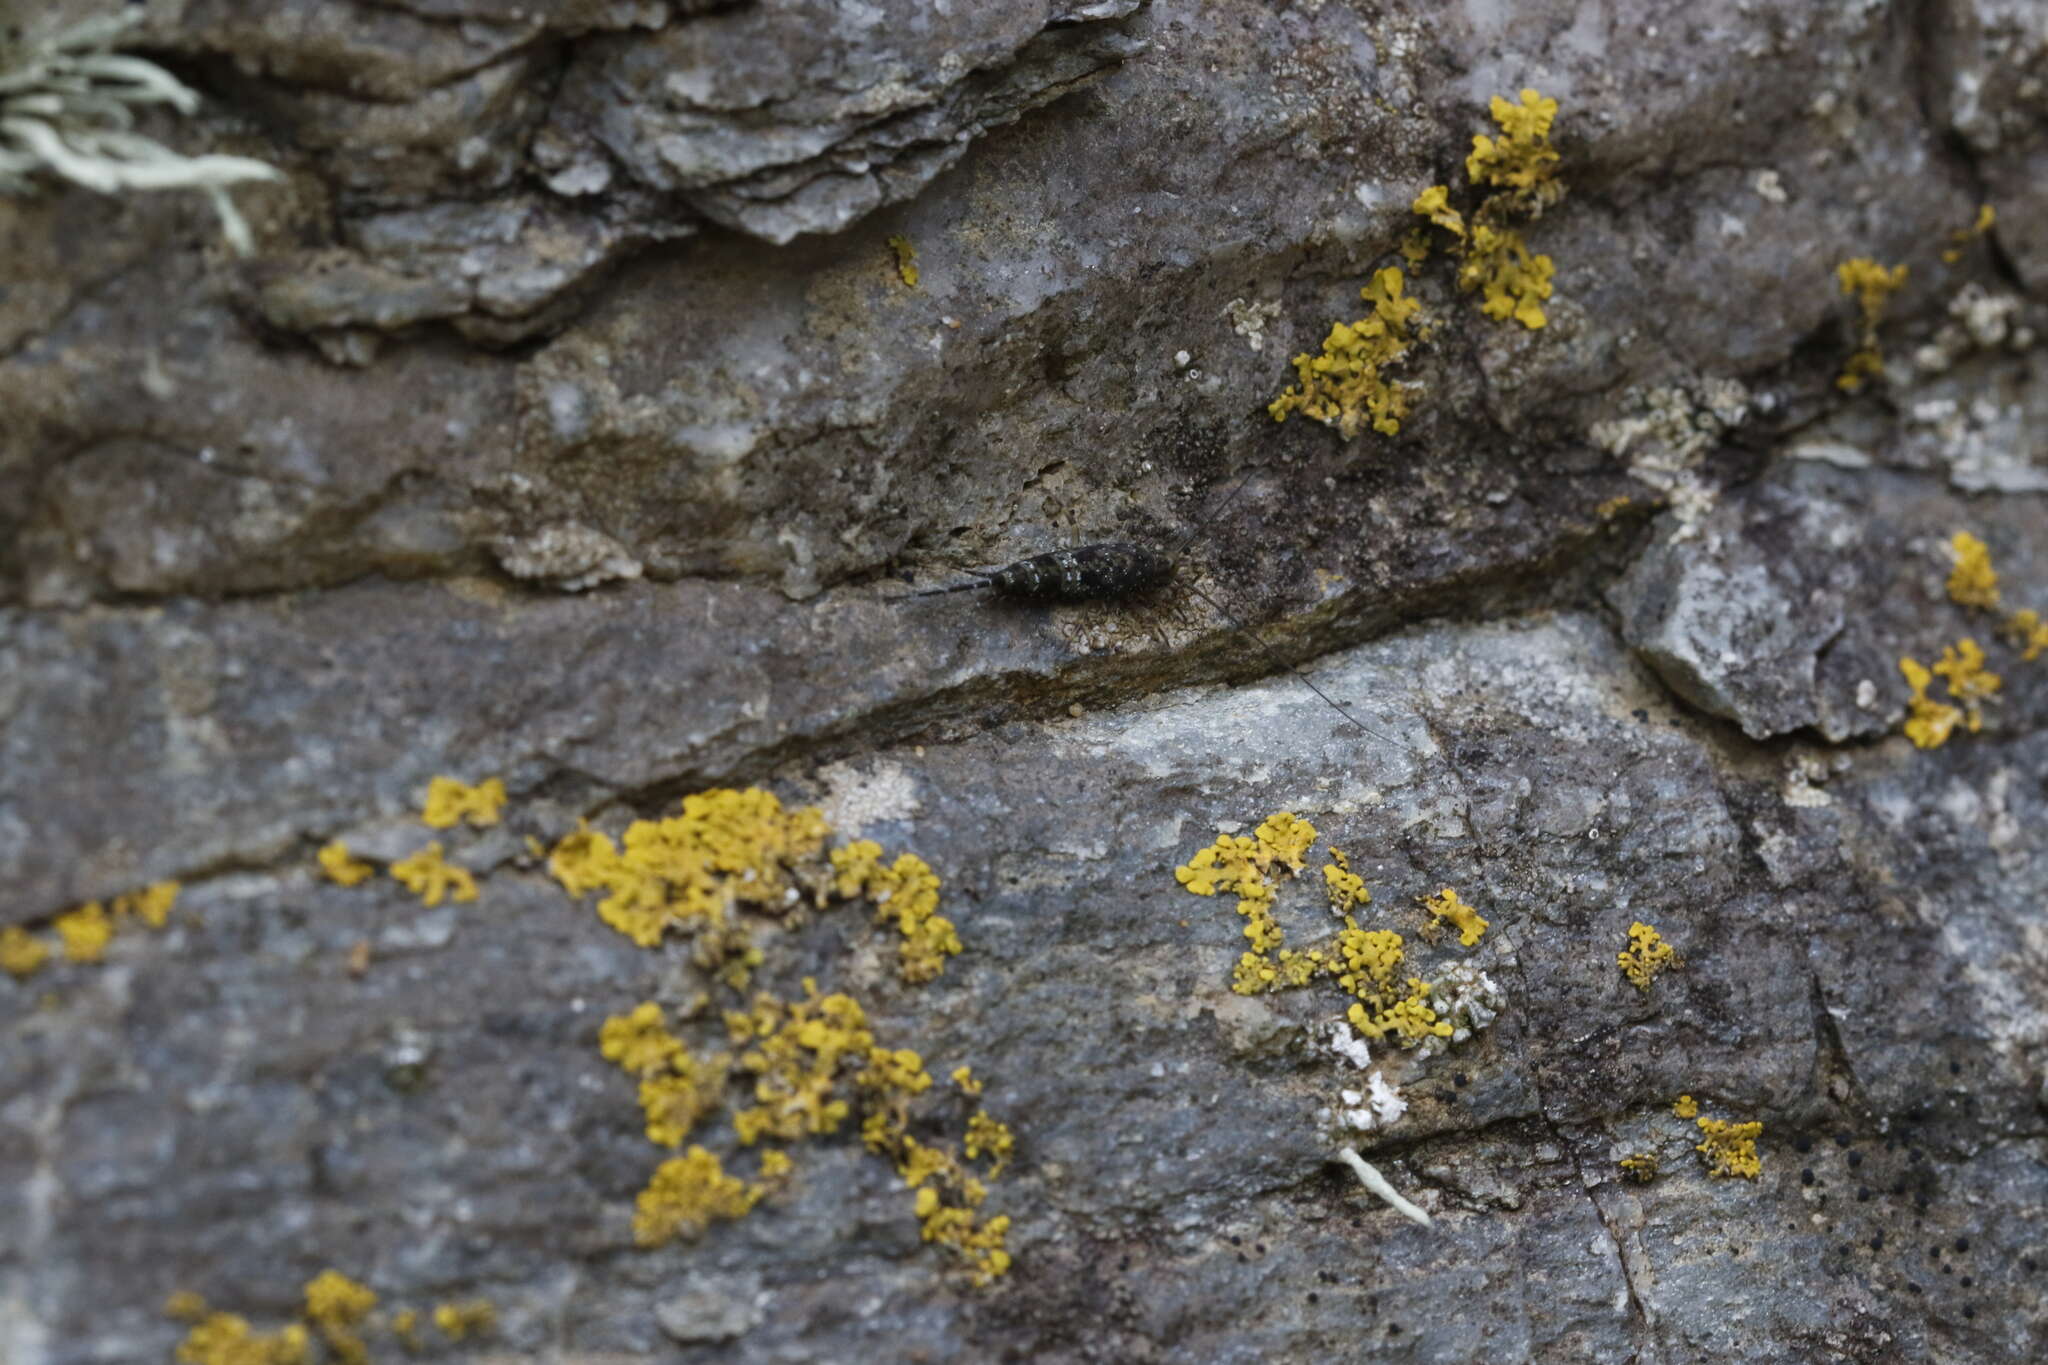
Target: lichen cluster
[1972, 583]
[427, 873]
[1646, 957]
[339, 1312]
[1519, 169]
[84, 932]
[1872, 286]
[1346, 386]
[812, 1067]
[1367, 963]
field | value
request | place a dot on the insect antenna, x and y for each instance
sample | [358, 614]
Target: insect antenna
[981, 582]
[1276, 657]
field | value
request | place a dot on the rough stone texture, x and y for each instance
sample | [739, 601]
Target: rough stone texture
[573, 424]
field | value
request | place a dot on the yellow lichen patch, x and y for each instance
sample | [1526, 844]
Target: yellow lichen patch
[1872, 285]
[1987, 218]
[1434, 204]
[152, 905]
[466, 1318]
[450, 802]
[687, 1194]
[1512, 281]
[1409, 1019]
[86, 932]
[639, 1043]
[1640, 1167]
[963, 1076]
[1446, 906]
[1345, 387]
[906, 892]
[1521, 162]
[22, 954]
[405, 1325]
[906, 260]
[335, 1305]
[794, 1052]
[688, 872]
[430, 877]
[1729, 1149]
[1969, 682]
[341, 868]
[988, 1137]
[1285, 838]
[1928, 723]
[1972, 582]
[1647, 956]
[184, 1306]
[1685, 1107]
[956, 1225]
[228, 1339]
[2027, 632]
[675, 1099]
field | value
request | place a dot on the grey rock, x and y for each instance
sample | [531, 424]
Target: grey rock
[713, 1308]
[1737, 624]
[616, 498]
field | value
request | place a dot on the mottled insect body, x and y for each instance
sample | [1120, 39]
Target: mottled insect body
[1087, 573]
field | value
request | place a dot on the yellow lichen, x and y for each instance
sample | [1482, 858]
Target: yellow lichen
[686, 1195]
[1928, 723]
[675, 1099]
[152, 905]
[1640, 1167]
[794, 1052]
[906, 260]
[1346, 888]
[1520, 168]
[228, 1339]
[639, 1042]
[1513, 282]
[963, 1076]
[2027, 632]
[1872, 285]
[1434, 204]
[466, 1318]
[86, 932]
[335, 1305]
[430, 877]
[1345, 387]
[688, 872]
[1446, 906]
[1987, 218]
[449, 802]
[1521, 160]
[1969, 682]
[905, 892]
[1973, 582]
[986, 1136]
[341, 868]
[1647, 956]
[1729, 1149]
[405, 1325]
[955, 1225]
[22, 954]
[1685, 1107]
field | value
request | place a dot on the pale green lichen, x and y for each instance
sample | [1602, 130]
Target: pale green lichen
[68, 103]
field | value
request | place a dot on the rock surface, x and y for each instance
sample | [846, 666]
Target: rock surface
[573, 423]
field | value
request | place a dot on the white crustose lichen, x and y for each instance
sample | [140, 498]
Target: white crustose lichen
[67, 108]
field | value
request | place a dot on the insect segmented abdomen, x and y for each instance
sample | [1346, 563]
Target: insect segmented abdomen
[1086, 573]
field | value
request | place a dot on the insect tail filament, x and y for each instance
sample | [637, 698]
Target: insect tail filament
[1274, 655]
